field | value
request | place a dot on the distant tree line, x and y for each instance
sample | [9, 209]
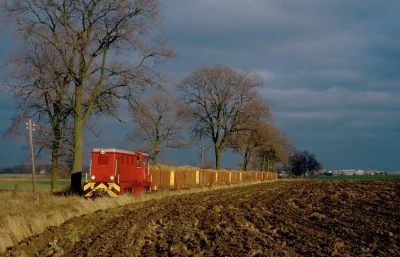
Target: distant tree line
[26, 169]
[303, 163]
[18, 169]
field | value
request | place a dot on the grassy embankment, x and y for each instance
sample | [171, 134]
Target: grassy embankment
[21, 217]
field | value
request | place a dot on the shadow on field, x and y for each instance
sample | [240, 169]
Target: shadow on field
[64, 193]
[67, 192]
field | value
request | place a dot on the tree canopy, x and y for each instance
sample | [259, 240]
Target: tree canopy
[218, 101]
[105, 48]
[304, 162]
[157, 123]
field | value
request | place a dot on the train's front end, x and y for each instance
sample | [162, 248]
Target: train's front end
[103, 176]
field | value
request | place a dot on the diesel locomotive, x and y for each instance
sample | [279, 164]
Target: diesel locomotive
[114, 172]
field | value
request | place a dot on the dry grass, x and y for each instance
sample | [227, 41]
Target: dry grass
[21, 217]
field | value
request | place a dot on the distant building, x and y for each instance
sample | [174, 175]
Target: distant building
[359, 172]
[283, 174]
[376, 172]
[345, 172]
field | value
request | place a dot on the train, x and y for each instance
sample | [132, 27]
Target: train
[114, 172]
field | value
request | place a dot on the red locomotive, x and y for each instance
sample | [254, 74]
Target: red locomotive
[115, 172]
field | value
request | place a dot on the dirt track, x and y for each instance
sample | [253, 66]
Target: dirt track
[274, 219]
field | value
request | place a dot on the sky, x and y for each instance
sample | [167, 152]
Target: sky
[331, 71]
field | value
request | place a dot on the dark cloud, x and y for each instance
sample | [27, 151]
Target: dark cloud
[331, 70]
[330, 67]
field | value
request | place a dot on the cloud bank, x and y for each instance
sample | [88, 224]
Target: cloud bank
[331, 70]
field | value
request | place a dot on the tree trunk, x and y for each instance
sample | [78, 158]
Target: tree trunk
[54, 169]
[78, 142]
[78, 146]
[245, 163]
[154, 158]
[78, 155]
[263, 162]
[246, 158]
[54, 157]
[156, 152]
[217, 159]
[78, 130]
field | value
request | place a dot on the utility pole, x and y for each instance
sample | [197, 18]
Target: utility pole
[201, 156]
[30, 129]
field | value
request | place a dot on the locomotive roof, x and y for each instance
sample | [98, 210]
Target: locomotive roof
[113, 150]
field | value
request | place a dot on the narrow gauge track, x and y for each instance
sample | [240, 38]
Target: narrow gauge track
[294, 218]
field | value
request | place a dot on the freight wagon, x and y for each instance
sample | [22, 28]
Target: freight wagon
[181, 179]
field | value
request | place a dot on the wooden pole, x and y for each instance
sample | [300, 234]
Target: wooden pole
[33, 159]
[201, 156]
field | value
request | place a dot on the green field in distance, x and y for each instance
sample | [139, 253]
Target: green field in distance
[24, 181]
[360, 177]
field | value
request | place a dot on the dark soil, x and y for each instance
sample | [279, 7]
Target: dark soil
[294, 218]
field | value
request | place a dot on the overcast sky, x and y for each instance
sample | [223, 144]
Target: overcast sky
[331, 71]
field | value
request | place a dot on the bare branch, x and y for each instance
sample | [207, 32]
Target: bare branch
[157, 123]
[218, 102]
[102, 48]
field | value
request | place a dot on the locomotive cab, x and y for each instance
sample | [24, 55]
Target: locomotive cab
[115, 171]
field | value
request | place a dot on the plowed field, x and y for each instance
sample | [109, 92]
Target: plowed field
[300, 218]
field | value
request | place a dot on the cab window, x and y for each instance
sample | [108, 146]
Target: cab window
[102, 160]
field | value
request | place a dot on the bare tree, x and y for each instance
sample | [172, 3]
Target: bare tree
[285, 149]
[274, 147]
[247, 140]
[103, 46]
[216, 101]
[36, 82]
[157, 123]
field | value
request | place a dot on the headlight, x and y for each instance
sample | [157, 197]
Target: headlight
[102, 151]
[112, 177]
[93, 177]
